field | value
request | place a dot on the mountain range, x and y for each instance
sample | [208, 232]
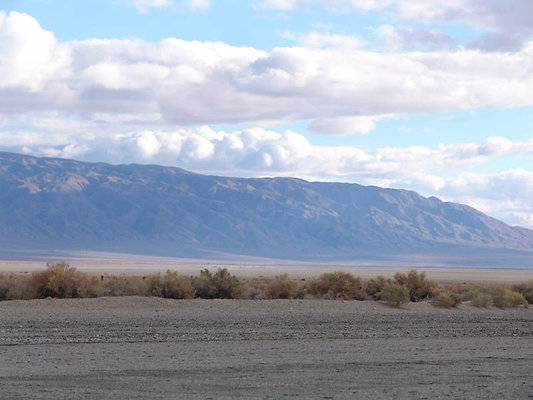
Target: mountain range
[50, 203]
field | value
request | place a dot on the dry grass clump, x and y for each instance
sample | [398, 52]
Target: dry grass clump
[171, 286]
[374, 287]
[526, 290]
[63, 281]
[498, 295]
[337, 285]
[283, 287]
[125, 286]
[419, 286]
[15, 287]
[395, 295]
[447, 300]
[482, 300]
[220, 285]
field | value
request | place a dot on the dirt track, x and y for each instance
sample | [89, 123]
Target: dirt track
[136, 348]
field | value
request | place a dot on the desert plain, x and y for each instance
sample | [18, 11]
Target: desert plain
[139, 348]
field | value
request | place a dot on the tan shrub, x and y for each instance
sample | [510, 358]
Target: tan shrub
[395, 295]
[125, 286]
[282, 287]
[171, 286]
[418, 285]
[63, 281]
[526, 289]
[374, 287]
[15, 287]
[446, 300]
[482, 299]
[221, 285]
[337, 285]
[509, 299]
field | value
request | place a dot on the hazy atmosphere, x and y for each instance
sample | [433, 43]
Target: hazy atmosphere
[408, 94]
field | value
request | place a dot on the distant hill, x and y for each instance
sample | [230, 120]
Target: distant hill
[48, 203]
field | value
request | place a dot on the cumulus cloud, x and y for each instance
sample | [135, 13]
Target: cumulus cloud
[143, 6]
[30, 57]
[183, 83]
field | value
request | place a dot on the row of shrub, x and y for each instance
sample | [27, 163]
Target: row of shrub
[63, 281]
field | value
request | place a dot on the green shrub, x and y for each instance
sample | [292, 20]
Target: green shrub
[418, 285]
[221, 285]
[449, 300]
[337, 285]
[395, 295]
[171, 286]
[63, 281]
[282, 287]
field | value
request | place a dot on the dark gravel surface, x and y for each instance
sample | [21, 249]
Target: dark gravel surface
[148, 348]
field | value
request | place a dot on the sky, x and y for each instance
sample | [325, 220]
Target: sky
[426, 95]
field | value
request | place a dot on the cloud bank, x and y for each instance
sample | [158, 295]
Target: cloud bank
[187, 82]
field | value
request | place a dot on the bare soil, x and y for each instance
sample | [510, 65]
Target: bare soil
[138, 348]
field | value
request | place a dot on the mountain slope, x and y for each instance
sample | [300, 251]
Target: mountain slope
[56, 203]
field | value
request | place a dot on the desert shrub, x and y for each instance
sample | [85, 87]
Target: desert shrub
[171, 286]
[463, 289]
[482, 299]
[526, 289]
[447, 300]
[337, 285]
[418, 285]
[61, 280]
[282, 287]
[509, 299]
[395, 295]
[125, 286]
[220, 285]
[15, 287]
[499, 295]
[374, 287]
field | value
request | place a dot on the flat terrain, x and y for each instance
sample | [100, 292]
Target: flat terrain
[137, 348]
[146, 266]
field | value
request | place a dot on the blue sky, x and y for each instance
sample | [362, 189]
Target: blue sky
[426, 95]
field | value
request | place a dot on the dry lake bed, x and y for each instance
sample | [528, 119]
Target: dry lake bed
[151, 348]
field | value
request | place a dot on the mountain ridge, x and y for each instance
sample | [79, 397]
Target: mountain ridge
[149, 209]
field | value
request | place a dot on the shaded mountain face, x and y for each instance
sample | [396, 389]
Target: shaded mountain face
[57, 203]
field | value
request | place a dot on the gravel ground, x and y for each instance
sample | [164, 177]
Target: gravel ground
[138, 348]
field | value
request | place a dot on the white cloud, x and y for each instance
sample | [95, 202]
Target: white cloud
[318, 40]
[199, 5]
[515, 16]
[180, 82]
[143, 6]
[30, 57]
[405, 38]
[345, 125]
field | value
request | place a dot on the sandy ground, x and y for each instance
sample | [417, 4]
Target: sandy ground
[137, 348]
[296, 270]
